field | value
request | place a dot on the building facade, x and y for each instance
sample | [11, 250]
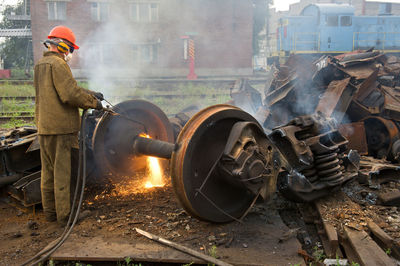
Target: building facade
[148, 38]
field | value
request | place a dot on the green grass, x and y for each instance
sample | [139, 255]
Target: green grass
[20, 74]
[12, 105]
[212, 251]
[170, 106]
[175, 105]
[181, 89]
[318, 253]
[10, 90]
[15, 107]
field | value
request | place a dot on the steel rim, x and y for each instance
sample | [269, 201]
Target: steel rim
[201, 142]
[113, 136]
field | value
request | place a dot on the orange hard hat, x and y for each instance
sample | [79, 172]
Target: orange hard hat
[63, 33]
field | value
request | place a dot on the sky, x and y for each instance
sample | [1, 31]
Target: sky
[3, 3]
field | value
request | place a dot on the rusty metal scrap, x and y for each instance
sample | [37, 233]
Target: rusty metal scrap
[314, 150]
[357, 58]
[336, 99]
[373, 171]
[355, 134]
[367, 86]
[20, 165]
[361, 87]
[245, 96]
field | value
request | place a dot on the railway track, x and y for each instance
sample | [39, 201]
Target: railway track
[128, 97]
[27, 116]
[17, 98]
[4, 119]
[9, 116]
[154, 81]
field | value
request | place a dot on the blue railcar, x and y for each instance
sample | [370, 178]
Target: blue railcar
[333, 28]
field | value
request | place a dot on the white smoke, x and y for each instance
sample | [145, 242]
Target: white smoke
[102, 52]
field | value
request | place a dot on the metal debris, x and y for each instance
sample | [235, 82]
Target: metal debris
[20, 165]
[360, 90]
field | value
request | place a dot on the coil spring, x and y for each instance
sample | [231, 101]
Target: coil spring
[326, 167]
[311, 174]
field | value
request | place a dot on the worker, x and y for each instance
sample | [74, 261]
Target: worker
[58, 99]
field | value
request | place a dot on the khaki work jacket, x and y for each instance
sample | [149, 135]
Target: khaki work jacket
[58, 96]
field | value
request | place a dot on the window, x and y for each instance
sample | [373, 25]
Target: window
[145, 53]
[388, 8]
[100, 11]
[332, 20]
[144, 12]
[57, 10]
[345, 21]
[385, 8]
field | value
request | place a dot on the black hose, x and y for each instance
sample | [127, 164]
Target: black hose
[81, 177]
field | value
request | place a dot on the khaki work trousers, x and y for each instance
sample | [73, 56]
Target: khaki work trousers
[58, 155]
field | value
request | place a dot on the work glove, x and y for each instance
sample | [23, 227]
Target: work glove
[99, 106]
[99, 96]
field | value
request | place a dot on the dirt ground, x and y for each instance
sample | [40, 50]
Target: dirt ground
[352, 207]
[271, 234]
[113, 213]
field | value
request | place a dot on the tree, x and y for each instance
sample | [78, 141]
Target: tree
[16, 51]
[260, 18]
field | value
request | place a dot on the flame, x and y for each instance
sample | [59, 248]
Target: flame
[126, 186]
[155, 173]
[155, 177]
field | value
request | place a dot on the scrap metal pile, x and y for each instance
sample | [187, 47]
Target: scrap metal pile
[20, 165]
[360, 90]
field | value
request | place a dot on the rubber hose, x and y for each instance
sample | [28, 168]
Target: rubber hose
[81, 177]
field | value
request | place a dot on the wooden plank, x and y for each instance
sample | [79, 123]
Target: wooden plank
[350, 254]
[380, 234]
[391, 198]
[98, 249]
[367, 250]
[263, 249]
[325, 242]
[384, 240]
[330, 232]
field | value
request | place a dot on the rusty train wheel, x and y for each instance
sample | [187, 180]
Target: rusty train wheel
[201, 143]
[113, 136]
[381, 134]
